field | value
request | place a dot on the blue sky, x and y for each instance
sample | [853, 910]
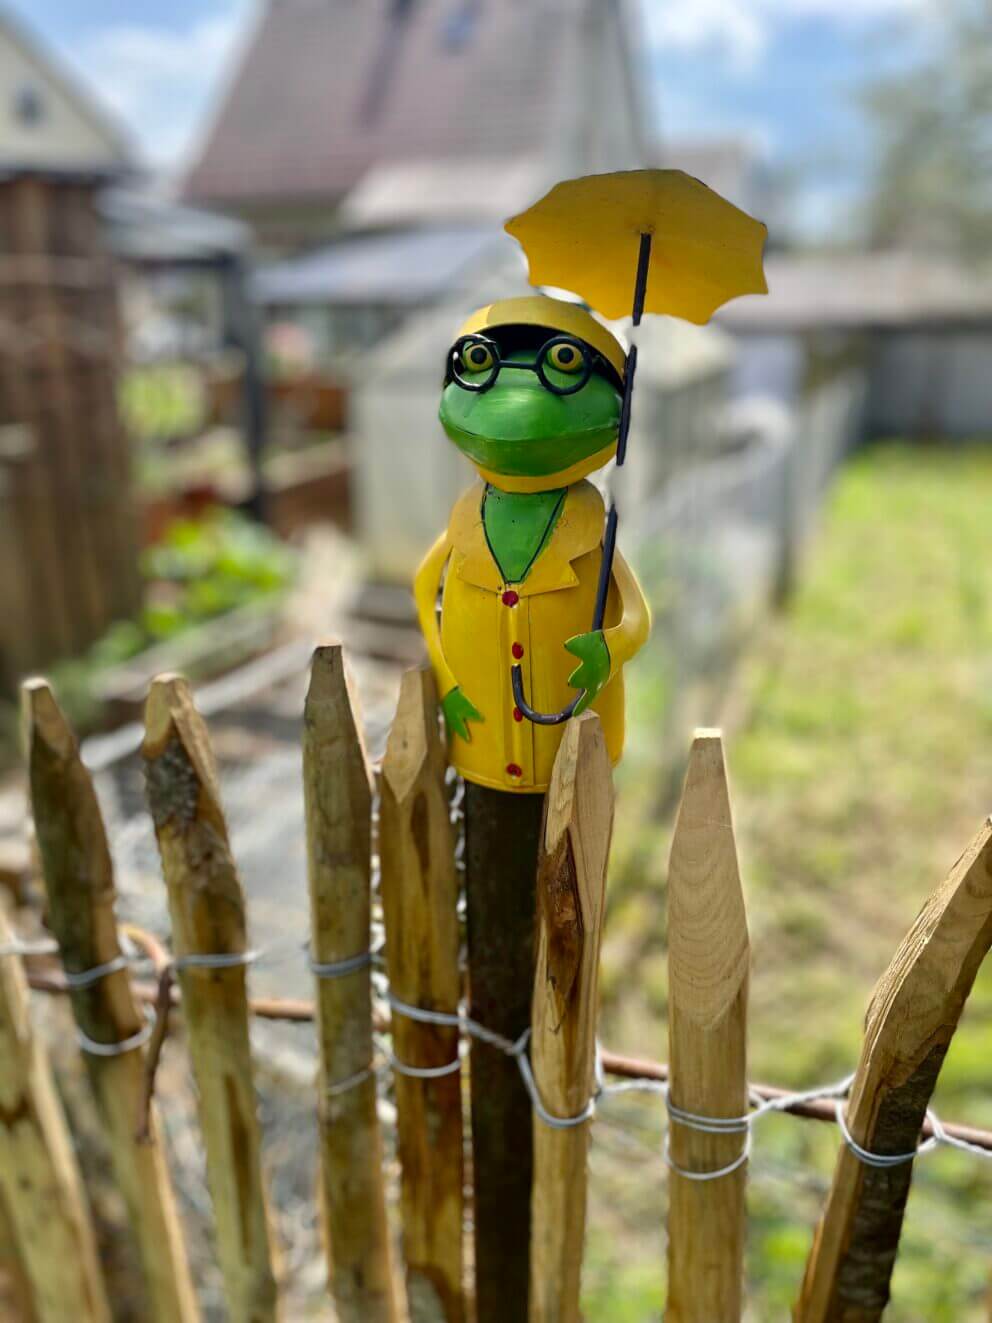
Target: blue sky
[783, 73]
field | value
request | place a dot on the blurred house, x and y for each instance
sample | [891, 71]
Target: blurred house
[389, 140]
[398, 112]
[68, 555]
[48, 122]
[916, 325]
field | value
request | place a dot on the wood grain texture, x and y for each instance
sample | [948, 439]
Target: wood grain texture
[708, 960]
[571, 896]
[206, 906]
[502, 838]
[41, 1193]
[337, 785]
[911, 1020]
[419, 894]
[79, 882]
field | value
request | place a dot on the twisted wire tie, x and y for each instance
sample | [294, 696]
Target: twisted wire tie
[94, 1048]
[214, 960]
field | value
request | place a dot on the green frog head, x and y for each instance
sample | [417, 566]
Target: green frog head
[532, 393]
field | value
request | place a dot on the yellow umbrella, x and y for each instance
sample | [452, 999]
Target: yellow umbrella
[586, 236]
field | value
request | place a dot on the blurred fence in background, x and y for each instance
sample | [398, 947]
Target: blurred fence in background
[719, 544]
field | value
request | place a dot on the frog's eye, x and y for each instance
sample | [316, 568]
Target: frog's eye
[566, 357]
[476, 357]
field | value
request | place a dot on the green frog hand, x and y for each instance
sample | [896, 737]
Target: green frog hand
[594, 668]
[458, 712]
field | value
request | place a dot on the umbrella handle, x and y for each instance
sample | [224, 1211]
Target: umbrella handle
[610, 532]
[599, 614]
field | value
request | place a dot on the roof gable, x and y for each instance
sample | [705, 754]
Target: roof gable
[66, 130]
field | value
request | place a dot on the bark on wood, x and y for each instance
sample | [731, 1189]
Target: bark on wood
[419, 893]
[910, 1023]
[708, 959]
[502, 838]
[206, 905]
[79, 883]
[41, 1193]
[571, 894]
[337, 783]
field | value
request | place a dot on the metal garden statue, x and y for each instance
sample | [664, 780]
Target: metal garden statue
[539, 611]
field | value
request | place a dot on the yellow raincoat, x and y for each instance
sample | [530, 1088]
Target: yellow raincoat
[487, 624]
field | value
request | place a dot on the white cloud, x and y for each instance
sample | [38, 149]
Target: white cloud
[160, 81]
[739, 30]
[730, 27]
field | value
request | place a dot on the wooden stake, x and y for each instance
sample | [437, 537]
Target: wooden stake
[708, 957]
[571, 894]
[502, 838]
[911, 1020]
[41, 1192]
[79, 882]
[207, 908]
[419, 894]
[337, 785]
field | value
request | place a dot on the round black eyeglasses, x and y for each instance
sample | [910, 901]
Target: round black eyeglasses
[479, 357]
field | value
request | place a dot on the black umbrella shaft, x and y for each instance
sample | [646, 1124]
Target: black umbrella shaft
[641, 279]
[640, 291]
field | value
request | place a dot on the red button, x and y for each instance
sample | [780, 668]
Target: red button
[513, 770]
[517, 714]
[510, 598]
[517, 650]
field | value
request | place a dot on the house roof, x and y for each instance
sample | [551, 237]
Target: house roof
[850, 291]
[329, 88]
[145, 229]
[417, 192]
[407, 268]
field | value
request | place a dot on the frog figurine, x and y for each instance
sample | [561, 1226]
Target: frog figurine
[532, 396]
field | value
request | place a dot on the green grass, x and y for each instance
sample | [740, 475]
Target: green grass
[863, 768]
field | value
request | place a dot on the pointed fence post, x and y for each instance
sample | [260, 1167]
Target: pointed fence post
[337, 786]
[910, 1023]
[207, 908]
[571, 896]
[41, 1194]
[708, 959]
[79, 882]
[419, 896]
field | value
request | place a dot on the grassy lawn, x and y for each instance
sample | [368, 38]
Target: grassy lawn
[862, 770]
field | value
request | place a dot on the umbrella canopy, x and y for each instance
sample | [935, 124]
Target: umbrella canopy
[585, 236]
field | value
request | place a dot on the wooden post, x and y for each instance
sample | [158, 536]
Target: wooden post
[206, 904]
[910, 1023]
[502, 837]
[708, 957]
[41, 1194]
[337, 786]
[419, 894]
[79, 882]
[15, 1289]
[571, 897]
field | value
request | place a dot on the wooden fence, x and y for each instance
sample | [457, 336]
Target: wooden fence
[47, 1244]
[67, 520]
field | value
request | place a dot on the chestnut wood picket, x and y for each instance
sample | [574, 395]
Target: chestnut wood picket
[48, 1262]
